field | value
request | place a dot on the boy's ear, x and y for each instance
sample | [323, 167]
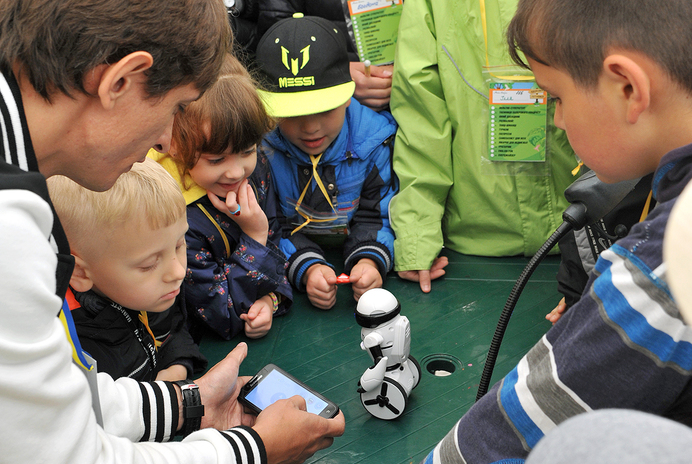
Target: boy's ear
[80, 279]
[631, 82]
[113, 81]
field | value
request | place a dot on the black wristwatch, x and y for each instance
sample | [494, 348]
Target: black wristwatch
[193, 409]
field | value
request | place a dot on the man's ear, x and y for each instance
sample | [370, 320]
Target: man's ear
[631, 82]
[117, 79]
[80, 279]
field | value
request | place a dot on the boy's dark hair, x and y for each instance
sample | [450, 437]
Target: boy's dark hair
[229, 115]
[56, 42]
[576, 35]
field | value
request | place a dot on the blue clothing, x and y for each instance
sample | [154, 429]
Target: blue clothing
[227, 273]
[356, 170]
[622, 345]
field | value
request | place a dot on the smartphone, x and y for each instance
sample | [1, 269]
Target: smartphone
[271, 384]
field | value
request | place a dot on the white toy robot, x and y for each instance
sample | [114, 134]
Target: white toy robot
[386, 335]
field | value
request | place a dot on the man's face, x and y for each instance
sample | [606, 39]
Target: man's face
[111, 141]
[314, 133]
[140, 268]
[595, 125]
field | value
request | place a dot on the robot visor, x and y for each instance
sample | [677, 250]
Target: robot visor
[370, 322]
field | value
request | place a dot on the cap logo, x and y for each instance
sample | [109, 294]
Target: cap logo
[294, 61]
[292, 64]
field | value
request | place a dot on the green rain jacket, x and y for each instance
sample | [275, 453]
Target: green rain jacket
[450, 192]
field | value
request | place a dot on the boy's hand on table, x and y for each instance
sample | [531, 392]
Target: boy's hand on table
[320, 285]
[258, 319]
[364, 276]
[555, 315]
[291, 434]
[424, 277]
[251, 218]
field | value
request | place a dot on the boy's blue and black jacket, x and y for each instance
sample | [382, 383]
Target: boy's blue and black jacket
[356, 170]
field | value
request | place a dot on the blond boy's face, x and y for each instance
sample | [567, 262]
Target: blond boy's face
[140, 268]
[595, 125]
[314, 133]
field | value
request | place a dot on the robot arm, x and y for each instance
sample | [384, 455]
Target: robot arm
[373, 344]
[373, 376]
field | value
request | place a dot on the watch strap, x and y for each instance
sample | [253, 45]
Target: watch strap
[193, 409]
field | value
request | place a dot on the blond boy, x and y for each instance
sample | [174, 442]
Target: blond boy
[130, 260]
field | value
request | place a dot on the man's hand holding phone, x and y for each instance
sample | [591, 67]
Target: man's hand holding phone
[272, 383]
[291, 434]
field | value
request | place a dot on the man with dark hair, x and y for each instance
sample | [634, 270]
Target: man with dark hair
[86, 89]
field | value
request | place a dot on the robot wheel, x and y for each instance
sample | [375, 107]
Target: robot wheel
[388, 403]
[417, 365]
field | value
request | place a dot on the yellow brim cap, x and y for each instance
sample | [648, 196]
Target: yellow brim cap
[290, 104]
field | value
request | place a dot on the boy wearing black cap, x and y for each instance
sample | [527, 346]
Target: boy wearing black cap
[330, 156]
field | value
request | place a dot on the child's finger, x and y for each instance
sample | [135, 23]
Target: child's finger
[329, 276]
[241, 196]
[424, 280]
[217, 202]
[354, 277]
[260, 325]
[323, 287]
[251, 198]
[263, 319]
[384, 71]
[363, 281]
[229, 207]
[233, 202]
[322, 302]
[322, 290]
[439, 263]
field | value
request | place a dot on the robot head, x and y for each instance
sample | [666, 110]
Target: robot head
[376, 307]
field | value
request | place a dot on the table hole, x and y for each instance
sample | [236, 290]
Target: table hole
[441, 365]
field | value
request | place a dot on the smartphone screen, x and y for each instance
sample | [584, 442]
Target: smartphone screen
[274, 385]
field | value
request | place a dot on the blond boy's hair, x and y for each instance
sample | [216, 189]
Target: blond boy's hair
[146, 194]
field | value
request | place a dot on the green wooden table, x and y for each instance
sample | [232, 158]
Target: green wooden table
[452, 327]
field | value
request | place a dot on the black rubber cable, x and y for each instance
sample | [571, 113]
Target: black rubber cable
[590, 199]
[511, 303]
